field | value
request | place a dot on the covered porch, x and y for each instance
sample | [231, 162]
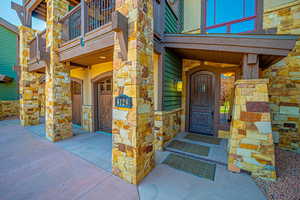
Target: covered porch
[214, 85]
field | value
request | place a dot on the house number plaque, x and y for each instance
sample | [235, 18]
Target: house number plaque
[123, 101]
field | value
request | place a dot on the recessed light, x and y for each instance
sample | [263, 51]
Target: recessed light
[102, 57]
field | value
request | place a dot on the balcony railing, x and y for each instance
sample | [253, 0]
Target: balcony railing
[157, 13]
[37, 48]
[86, 17]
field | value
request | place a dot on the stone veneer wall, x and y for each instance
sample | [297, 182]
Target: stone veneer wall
[9, 109]
[29, 81]
[87, 120]
[284, 78]
[251, 145]
[133, 151]
[58, 81]
[41, 99]
[167, 125]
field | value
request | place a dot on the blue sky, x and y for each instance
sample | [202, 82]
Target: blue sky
[10, 15]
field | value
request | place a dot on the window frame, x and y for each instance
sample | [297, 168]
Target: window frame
[258, 19]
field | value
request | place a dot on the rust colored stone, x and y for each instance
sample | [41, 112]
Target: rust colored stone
[257, 107]
[242, 132]
[122, 147]
[148, 149]
[288, 104]
[249, 146]
[250, 117]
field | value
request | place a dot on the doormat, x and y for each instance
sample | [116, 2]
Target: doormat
[189, 147]
[192, 166]
[203, 138]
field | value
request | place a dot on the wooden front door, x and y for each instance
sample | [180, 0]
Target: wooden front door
[76, 91]
[104, 105]
[201, 109]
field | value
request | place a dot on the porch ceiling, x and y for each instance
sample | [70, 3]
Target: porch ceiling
[39, 7]
[227, 48]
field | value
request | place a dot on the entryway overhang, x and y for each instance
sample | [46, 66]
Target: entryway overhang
[230, 48]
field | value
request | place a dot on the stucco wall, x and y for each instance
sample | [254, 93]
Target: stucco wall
[192, 15]
[87, 75]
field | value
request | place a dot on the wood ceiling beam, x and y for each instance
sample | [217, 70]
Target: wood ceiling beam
[74, 2]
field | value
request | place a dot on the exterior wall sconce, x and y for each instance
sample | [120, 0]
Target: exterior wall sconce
[178, 85]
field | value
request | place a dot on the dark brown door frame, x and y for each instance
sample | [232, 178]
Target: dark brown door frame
[217, 87]
[79, 81]
[94, 81]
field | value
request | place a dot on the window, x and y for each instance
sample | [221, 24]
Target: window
[226, 97]
[230, 16]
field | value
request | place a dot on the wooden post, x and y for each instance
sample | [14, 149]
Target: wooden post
[250, 66]
[84, 14]
[203, 17]
[160, 80]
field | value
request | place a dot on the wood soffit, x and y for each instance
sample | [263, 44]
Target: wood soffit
[229, 48]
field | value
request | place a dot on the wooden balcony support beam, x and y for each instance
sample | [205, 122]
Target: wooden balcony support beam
[23, 14]
[84, 17]
[250, 66]
[120, 26]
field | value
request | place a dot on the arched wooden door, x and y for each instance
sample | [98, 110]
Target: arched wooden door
[104, 104]
[76, 92]
[201, 108]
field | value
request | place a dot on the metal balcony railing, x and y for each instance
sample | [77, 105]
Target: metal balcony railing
[86, 17]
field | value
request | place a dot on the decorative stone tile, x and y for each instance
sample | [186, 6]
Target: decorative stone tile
[9, 109]
[87, 120]
[289, 110]
[284, 77]
[251, 145]
[167, 126]
[133, 151]
[58, 82]
[257, 106]
[264, 127]
[29, 81]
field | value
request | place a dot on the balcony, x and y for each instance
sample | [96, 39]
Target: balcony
[87, 33]
[158, 18]
[38, 57]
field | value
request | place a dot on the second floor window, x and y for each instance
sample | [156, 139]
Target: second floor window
[230, 16]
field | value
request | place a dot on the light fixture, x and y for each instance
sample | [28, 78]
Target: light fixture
[102, 57]
[178, 85]
[228, 74]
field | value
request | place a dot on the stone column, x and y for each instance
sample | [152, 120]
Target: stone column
[251, 145]
[58, 82]
[133, 151]
[29, 82]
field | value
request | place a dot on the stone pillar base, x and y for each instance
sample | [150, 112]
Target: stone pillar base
[251, 145]
[166, 126]
[87, 121]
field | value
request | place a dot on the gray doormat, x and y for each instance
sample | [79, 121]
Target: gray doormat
[203, 138]
[192, 166]
[189, 147]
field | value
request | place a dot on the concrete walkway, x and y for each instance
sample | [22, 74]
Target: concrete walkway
[33, 168]
[79, 168]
